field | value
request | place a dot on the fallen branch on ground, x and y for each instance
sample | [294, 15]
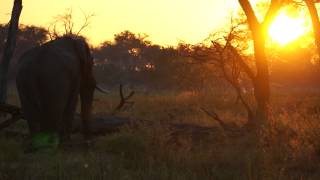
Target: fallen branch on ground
[16, 114]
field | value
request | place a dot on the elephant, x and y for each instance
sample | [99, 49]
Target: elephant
[50, 79]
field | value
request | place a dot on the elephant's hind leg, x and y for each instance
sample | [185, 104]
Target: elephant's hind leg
[30, 105]
[52, 107]
[68, 114]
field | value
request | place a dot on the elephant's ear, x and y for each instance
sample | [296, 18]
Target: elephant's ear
[86, 61]
[87, 83]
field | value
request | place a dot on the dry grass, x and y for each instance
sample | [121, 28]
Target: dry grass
[152, 149]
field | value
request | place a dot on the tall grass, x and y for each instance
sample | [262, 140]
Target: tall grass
[153, 148]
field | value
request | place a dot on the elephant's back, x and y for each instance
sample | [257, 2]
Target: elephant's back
[26, 63]
[48, 74]
[48, 61]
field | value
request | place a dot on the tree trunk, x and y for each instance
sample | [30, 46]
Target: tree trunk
[315, 22]
[9, 49]
[261, 82]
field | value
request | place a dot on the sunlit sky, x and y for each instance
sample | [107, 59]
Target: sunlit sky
[166, 21]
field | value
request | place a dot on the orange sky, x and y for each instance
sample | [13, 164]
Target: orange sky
[166, 21]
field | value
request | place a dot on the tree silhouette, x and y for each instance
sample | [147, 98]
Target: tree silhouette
[315, 22]
[132, 59]
[9, 48]
[27, 38]
[260, 79]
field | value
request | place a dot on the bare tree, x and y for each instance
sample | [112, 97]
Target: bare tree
[9, 49]
[225, 54]
[67, 24]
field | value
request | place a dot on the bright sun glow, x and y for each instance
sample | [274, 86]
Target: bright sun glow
[286, 29]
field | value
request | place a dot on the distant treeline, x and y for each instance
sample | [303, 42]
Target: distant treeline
[28, 37]
[133, 60]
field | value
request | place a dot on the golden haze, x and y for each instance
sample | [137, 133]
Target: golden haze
[166, 21]
[287, 28]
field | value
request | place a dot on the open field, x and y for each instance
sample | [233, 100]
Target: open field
[228, 92]
[173, 138]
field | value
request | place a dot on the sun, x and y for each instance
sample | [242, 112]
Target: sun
[285, 29]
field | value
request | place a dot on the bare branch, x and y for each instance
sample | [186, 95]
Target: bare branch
[8, 122]
[86, 22]
[15, 112]
[216, 117]
[244, 65]
[66, 22]
[123, 100]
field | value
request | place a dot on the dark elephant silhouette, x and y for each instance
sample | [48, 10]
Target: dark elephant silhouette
[50, 79]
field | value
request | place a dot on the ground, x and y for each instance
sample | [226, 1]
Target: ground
[173, 138]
